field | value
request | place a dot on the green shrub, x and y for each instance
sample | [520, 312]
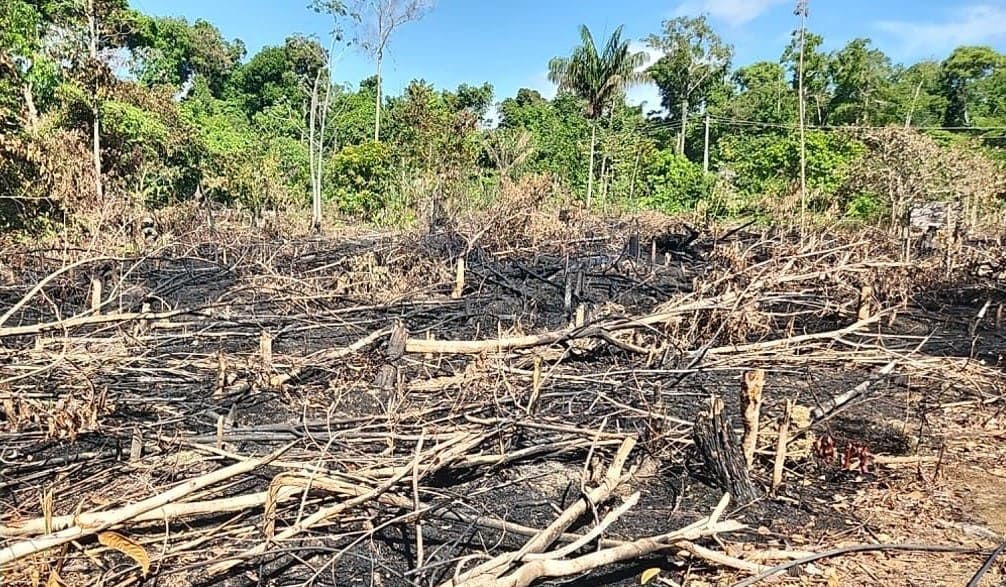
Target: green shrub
[358, 178]
[865, 206]
[767, 164]
[672, 183]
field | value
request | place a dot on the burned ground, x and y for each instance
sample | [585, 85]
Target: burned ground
[171, 380]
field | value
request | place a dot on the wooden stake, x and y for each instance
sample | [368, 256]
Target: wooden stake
[459, 279]
[96, 294]
[780, 445]
[220, 432]
[752, 383]
[136, 445]
[265, 350]
[221, 374]
[535, 385]
[865, 302]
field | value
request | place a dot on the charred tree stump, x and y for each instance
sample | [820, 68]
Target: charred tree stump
[722, 453]
[387, 376]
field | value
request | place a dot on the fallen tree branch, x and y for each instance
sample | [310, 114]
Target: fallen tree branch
[493, 568]
[88, 524]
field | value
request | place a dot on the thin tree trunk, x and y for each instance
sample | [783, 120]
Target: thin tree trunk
[31, 111]
[803, 124]
[684, 124]
[590, 172]
[377, 117]
[911, 108]
[96, 107]
[314, 158]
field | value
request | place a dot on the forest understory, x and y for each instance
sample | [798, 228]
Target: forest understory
[520, 402]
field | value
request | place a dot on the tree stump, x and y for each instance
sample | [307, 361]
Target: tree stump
[722, 453]
[387, 376]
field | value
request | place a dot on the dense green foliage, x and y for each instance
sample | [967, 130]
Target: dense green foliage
[195, 114]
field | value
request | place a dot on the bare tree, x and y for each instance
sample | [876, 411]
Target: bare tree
[318, 107]
[376, 21]
[317, 120]
[801, 11]
[92, 29]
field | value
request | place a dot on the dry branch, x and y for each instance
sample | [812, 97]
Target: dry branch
[88, 524]
[494, 568]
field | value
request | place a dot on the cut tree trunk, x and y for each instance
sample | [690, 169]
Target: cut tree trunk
[752, 383]
[722, 454]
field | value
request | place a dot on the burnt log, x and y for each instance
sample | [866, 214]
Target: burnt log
[722, 454]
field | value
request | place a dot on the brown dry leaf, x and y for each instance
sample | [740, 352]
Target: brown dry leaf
[648, 575]
[54, 580]
[127, 547]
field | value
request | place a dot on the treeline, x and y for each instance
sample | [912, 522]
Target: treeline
[105, 111]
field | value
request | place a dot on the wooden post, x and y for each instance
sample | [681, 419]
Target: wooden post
[752, 383]
[865, 302]
[136, 445]
[714, 439]
[265, 350]
[459, 279]
[95, 294]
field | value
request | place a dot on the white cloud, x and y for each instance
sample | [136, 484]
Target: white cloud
[645, 93]
[979, 23]
[546, 88]
[732, 12]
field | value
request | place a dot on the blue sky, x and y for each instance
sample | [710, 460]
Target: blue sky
[508, 43]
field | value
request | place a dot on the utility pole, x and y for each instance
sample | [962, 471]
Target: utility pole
[705, 147]
[801, 11]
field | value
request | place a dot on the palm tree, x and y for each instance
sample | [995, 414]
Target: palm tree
[597, 78]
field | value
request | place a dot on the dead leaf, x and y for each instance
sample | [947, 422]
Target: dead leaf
[54, 580]
[127, 547]
[648, 575]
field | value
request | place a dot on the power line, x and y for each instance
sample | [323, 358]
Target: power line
[676, 124]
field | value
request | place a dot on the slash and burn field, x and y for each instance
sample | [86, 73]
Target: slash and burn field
[525, 402]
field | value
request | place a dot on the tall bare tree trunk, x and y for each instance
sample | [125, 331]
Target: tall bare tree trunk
[377, 118]
[313, 159]
[802, 9]
[92, 22]
[318, 119]
[590, 172]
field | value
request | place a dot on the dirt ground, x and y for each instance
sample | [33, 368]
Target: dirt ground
[170, 380]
